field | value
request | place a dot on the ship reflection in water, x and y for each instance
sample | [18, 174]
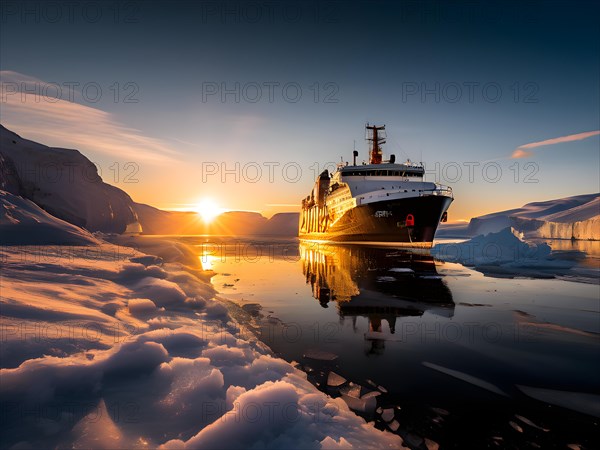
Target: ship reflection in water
[423, 348]
[428, 367]
[380, 284]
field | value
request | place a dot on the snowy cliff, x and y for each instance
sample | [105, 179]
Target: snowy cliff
[575, 217]
[579, 222]
[64, 183]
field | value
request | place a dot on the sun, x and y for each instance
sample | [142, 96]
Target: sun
[208, 209]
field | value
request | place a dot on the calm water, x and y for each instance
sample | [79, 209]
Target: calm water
[461, 358]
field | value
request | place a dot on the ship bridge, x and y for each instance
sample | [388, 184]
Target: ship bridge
[386, 176]
[383, 170]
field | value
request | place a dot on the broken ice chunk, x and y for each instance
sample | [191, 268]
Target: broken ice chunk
[466, 377]
[577, 401]
[320, 355]
[515, 426]
[440, 411]
[394, 425]
[383, 279]
[431, 445]
[335, 380]
[388, 414]
[371, 394]
[530, 423]
[352, 390]
[360, 405]
[413, 440]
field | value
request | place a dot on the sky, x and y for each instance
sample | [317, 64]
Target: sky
[245, 103]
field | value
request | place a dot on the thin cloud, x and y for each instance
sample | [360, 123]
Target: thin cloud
[520, 153]
[522, 150]
[60, 122]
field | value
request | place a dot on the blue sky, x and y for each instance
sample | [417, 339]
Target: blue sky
[498, 76]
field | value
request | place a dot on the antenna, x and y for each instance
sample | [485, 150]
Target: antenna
[400, 148]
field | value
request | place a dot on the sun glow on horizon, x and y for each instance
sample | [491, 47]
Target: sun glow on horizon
[208, 209]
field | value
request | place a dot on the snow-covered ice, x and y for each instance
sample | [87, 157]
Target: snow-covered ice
[24, 222]
[507, 253]
[106, 347]
[504, 247]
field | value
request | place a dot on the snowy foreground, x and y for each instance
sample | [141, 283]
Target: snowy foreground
[104, 346]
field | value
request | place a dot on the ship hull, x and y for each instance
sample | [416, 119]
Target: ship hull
[385, 221]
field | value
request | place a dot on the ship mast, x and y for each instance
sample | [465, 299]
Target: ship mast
[373, 135]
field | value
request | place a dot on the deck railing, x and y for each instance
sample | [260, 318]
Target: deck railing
[439, 190]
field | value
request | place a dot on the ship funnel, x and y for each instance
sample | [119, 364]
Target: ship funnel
[355, 154]
[392, 159]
